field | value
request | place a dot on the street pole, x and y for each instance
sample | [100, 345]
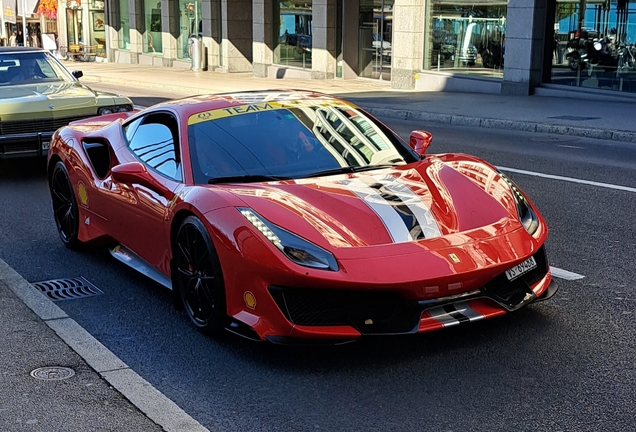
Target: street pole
[24, 28]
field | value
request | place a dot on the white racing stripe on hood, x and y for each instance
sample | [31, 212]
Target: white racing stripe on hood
[424, 216]
[385, 211]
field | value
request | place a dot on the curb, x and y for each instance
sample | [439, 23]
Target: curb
[150, 401]
[490, 123]
[452, 119]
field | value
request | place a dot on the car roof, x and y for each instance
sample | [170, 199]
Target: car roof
[20, 49]
[195, 104]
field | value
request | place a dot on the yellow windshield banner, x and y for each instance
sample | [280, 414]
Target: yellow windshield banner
[262, 106]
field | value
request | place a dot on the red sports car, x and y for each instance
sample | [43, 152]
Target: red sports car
[288, 216]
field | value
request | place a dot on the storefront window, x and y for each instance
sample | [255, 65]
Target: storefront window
[190, 25]
[375, 34]
[293, 40]
[123, 33]
[152, 35]
[466, 37]
[596, 48]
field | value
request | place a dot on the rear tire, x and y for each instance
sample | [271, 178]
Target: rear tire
[198, 278]
[65, 210]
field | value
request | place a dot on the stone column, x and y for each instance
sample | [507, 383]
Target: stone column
[525, 33]
[211, 37]
[169, 30]
[350, 23]
[112, 40]
[323, 50]
[263, 31]
[136, 10]
[407, 47]
[238, 43]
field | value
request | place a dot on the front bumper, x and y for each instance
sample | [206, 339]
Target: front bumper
[25, 145]
[349, 314]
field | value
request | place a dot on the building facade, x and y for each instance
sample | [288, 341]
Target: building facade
[495, 46]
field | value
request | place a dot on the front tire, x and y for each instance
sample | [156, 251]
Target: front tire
[65, 210]
[198, 278]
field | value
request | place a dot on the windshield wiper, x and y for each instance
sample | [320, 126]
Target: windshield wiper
[247, 178]
[348, 170]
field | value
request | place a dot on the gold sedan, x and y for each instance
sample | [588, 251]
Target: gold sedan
[38, 95]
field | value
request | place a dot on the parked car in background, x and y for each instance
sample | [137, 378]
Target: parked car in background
[38, 95]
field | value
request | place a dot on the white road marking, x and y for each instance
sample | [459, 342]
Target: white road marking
[569, 179]
[564, 274]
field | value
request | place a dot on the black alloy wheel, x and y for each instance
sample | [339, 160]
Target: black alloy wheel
[65, 211]
[198, 277]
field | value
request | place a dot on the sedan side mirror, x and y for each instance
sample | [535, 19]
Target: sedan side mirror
[419, 141]
[77, 74]
[136, 172]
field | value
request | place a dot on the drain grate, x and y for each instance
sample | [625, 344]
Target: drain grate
[67, 289]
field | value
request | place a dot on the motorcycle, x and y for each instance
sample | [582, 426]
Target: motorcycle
[591, 50]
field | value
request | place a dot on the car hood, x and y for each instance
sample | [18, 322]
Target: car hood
[418, 202]
[68, 98]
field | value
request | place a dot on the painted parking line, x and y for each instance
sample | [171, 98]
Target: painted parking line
[569, 179]
[564, 274]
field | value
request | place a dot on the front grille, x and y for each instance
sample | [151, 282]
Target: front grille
[370, 312]
[512, 293]
[20, 147]
[37, 125]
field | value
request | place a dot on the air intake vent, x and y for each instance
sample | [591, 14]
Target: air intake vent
[67, 289]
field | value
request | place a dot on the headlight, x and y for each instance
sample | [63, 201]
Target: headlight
[297, 249]
[597, 46]
[527, 216]
[114, 109]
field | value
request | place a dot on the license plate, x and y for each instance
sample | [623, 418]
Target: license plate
[520, 269]
[45, 145]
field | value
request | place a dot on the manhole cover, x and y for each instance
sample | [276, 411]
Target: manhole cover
[67, 289]
[574, 118]
[52, 373]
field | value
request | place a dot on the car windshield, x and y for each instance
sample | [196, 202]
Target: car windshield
[30, 67]
[289, 140]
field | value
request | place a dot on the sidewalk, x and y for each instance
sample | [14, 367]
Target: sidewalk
[601, 119]
[99, 393]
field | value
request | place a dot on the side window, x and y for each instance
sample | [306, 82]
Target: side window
[155, 141]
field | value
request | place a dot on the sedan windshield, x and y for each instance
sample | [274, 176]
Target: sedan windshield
[31, 68]
[291, 139]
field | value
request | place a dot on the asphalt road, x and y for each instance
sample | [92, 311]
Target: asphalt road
[566, 364]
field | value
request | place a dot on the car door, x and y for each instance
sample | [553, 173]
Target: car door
[139, 220]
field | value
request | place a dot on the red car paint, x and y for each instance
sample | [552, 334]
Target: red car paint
[480, 234]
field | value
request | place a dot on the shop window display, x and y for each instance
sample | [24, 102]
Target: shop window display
[152, 35]
[595, 48]
[293, 39]
[466, 37]
[123, 32]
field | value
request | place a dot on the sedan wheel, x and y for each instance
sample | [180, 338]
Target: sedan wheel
[198, 278]
[65, 210]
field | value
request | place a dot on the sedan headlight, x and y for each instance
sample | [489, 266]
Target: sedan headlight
[297, 249]
[527, 216]
[113, 109]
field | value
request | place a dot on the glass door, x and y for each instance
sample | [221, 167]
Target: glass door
[375, 34]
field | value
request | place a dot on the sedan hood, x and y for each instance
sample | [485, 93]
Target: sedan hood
[58, 98]
[421, 201]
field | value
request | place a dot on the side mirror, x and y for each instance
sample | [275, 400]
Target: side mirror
[77, 74]
[419, 141]
[136, 172]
